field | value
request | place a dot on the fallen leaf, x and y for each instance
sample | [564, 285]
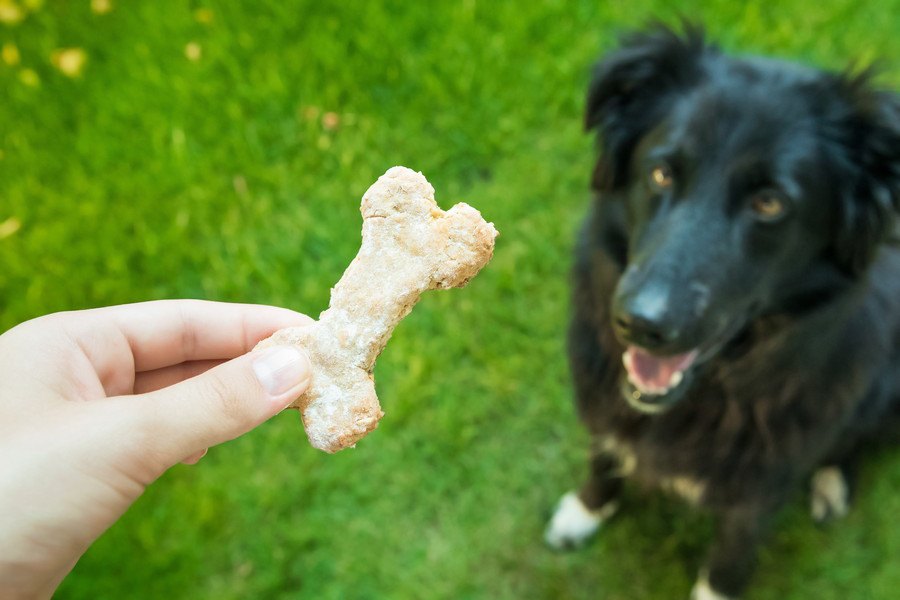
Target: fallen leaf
[240, 185]
[10, 54]
[204, 16]
[29, 77]
[101, 7]
[310, 112]
[70, 61]
[193, 51]
[9, 227]
[10, 13]
[330, 121]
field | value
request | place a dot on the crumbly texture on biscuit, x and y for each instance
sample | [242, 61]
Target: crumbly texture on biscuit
[409, 245]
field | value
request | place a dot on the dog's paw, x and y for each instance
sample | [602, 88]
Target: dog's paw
[830, 498]
[703, 591]
[573, 523]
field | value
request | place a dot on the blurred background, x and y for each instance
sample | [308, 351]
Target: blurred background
[219, 150]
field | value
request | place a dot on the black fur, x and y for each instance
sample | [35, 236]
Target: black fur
[798, 321]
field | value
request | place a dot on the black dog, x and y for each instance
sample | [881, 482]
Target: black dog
[736, 324]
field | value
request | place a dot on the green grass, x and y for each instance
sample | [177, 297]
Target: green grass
[155, 176]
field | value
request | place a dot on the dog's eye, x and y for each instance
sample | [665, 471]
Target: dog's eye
[661, 177]
[768, 206]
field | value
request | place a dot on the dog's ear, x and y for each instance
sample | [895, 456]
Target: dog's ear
[631, 89]
[871, 203]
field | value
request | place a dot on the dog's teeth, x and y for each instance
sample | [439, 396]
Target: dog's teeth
[676, 378]
[626, 360]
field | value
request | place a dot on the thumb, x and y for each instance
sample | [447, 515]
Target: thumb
[222, 403]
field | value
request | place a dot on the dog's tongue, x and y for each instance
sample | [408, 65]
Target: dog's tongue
[654, 374]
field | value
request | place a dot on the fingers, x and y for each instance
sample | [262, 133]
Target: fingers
[169, 332]
[37, 363]
[103, 348]
[150, 381]
[179, 421]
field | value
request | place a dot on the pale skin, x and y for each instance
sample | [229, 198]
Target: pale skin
[96, 405]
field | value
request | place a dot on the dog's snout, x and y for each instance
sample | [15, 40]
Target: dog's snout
[644, 319]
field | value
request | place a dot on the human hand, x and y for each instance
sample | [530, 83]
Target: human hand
[97, 404]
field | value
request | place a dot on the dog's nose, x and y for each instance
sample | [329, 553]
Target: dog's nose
[644, 320]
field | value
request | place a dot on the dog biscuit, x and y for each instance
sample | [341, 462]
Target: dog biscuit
[409, 245]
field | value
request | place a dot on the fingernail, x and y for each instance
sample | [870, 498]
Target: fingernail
[280, 369]
[195, 458]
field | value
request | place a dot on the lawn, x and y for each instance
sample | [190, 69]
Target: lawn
[219, 149]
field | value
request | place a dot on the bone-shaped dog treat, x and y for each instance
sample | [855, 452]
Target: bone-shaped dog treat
[409, 245]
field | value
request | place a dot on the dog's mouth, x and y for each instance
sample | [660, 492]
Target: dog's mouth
[655, 382]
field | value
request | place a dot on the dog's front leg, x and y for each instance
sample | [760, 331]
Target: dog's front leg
[732, 558]
[579, 515]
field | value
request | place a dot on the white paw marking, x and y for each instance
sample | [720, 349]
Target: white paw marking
[702, 591]
[830, 495]
[573, 523]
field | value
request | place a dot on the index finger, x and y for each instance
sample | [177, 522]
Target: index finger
[169, 332]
